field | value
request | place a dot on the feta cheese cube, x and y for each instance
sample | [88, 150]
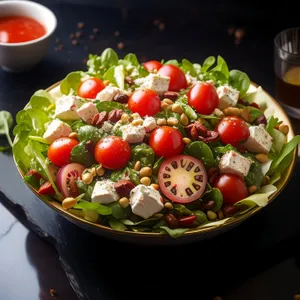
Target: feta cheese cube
[145, 201]
[108, 93]
[66, 107]
[234, 163]
[107, 127]
[104, 192]
[133, 134]
[228, 96]
[259, 140]
[157, 83]
[149, 124]
[56, 129]
[87, 111]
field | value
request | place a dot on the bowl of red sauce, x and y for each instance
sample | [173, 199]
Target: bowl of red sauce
[26, 29]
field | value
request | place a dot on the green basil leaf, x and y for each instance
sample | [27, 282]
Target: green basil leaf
[89, 133]
[174, 233]
[208, 63]
[99, 208]
[132, 59]
[118, 211]
[201, 151]
[144, 154]
[109, 58]
[187, 66]
[117, 225]
[240, 81]
[173, 62]
[215, 195]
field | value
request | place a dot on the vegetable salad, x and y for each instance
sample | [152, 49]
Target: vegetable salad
[163, 146]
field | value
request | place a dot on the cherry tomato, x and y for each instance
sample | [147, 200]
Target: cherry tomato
[203, 97]
[112, 152]
[145, 102]
[177, 77]
[152, 65]
[233, 130]
[90, 87]
[232, 187]
[59, 152]
[166, 141]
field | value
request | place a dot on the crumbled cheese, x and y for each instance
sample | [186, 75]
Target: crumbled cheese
[133, 134]
[87, 111]
[228, 96]
[149, 124]
[104, 192]
[57, 129]
[66, 107]
[155, 82]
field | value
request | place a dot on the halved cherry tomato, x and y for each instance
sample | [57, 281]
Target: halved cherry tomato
[233, 130]
[145, 102]
[59, 152]
[232, 187]
[90, 87]
[166, 141]
[203, 97]
[177, 77]
[112, 152]
[152, 65]
[46, 189]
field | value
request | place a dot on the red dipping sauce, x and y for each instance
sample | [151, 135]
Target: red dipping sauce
[18, 29]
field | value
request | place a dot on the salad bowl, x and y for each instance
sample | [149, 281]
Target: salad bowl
[83, 215]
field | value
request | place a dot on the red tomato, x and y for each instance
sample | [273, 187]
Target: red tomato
[166, 141]
[203, 97]
[233, 130]
[232, 187]
[152, 65]
[112, 152]
[90, 87]
[59, 152]
[177, 77]
[145, 102]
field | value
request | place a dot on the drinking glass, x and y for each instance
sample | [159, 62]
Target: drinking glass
[287, 70]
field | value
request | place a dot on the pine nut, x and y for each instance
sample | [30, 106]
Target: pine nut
[137, 165]
[252, 189]
[168, 205]
[184, 120]
[93, 172]
[211, 215]
[100, 171]
[145, 172]
[155, 186]
[69, 202]
[168, 101]
[124, 118]
[261, 157]
[176, 108]
[87, 178]
[220, 214]
[73, 135]
[124, 202]
[164, 105]
[232, 111]
[158, 215]
[161, 122]
[217, 112]
[172, 121]
[245, 114]
[135, 116]
[137, 122]
[186, 140]
[145, 181]
[284, 129]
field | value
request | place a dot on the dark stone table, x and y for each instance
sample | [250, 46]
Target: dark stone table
[40, 250]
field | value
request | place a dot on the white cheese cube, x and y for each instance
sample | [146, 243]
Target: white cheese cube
[228, 96]
[157, 83]
[234, 163]
[87, 111]
[56, 129]
[108, 93]
[133, 134]
[149, 124]
[107, 127]
[145, 201]
[104, 192]
[259, 140]
[66, 107]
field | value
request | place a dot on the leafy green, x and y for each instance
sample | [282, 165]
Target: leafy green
[71, 82]
[255, 175]
[240, 81]
[182, 209]
[157, 165]
[130, 57]
[189, 111]
[201, 151]
[109, 58]
[117, 225]
[254, 113]
[174, 233]
[201, 216]
[173, 62]
[89, 133]
[127, 173]
[85, 189]
[99, 208]
[208, 63]
[82, 155]
[41, 99]
[118, 211]
[147, 222]
[215, 195]
[165, 114]
[39, 139]
[221, 67]
[281, 168]
[220, 150]
[187, 66]
[286, 150]
[279, 139]
[144, 154]
[109, 106]
[6, 122]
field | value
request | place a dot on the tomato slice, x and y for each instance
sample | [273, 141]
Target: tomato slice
[182, 178]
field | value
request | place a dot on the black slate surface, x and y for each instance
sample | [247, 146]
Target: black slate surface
[98, 268]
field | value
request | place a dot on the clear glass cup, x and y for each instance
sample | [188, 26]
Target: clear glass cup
[287, 70]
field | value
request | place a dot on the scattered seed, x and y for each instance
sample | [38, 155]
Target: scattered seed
[124, 202]
[220, 214]
[95, 30]
[124, 118]
[232, 111]
[211, 215]
[137, 122]
[176, 108]
[116, 33]
[161, 121]
[137, 166]
[78, 34]
[92, 37]
[186, 140]
[145, 172]
[164, 105]
[87, 178]
[161, 26]
[72, 36]
[172, 121]
[145, 181]
[120, 45]
[80, 25]
[218, 113]
[75, 42]
[168, 101]
[93, 172]
[184, 120]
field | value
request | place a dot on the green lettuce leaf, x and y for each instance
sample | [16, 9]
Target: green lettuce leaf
[240, 81]
[71, 82]
[174, 233]
[99, 208]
